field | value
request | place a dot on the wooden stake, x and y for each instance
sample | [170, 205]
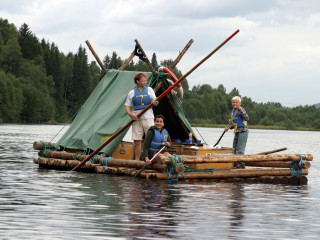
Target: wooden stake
[181, 55]
[273, 151]
[96, 57]
[127, 61]
[147, 59]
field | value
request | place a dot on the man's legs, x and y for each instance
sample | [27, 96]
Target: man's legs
[242, 142]
[137, 149]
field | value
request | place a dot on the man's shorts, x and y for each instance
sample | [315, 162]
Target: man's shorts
[141, 127]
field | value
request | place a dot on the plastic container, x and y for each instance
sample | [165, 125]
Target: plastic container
[190, 136]
[188, 141]
[198, 141]
[177, 140]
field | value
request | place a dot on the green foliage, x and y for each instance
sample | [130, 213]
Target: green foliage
[11, 98]
[7, 31]
[11, 56]
[29, 43]
[154, 61]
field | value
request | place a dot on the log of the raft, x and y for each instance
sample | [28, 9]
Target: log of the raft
[239, 158]
[303, 180]
[234, 173]
[294, 180]
[136, 164]
[60, 163]
[277, 164]
[62, 155]
[37, 145]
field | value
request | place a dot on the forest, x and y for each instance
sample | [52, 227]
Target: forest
[40, 84]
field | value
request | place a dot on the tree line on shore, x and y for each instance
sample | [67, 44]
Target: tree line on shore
[40, 84]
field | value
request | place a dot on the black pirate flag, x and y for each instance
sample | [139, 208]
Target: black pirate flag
[139, 53]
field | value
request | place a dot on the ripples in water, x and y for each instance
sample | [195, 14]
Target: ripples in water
[48, 204]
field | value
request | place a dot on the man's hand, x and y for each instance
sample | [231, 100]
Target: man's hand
[133, 117]
[226, 129]
[148, 162]
[155, 103]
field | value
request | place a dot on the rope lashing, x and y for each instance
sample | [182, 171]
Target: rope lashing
[156, 80]
[104, 161]
[297, 166]
[76, 156]
[175, 160]
[94, 159]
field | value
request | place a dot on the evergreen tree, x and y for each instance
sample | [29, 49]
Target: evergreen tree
[115, 61]
[95, 72]
[29, 43]
[154, 61]
[106, 61]
[81, 83]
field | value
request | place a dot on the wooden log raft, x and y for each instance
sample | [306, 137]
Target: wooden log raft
[112, 162]
[233, 173]
[238, 158]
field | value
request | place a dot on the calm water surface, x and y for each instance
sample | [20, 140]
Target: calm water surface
[49, 204]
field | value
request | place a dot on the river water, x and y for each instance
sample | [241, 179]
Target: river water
[49, 204]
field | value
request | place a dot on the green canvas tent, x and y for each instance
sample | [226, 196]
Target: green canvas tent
[104, 113]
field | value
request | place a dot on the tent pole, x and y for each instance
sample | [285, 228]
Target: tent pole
[151, 104]
[127, 61]
[147, 59]
[96, 57]
[181, 55]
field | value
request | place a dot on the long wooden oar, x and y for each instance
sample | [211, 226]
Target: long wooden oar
[220, 138]
[151, 104]
[273, 151]
[150, 161]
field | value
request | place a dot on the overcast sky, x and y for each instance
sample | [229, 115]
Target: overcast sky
[275, 56]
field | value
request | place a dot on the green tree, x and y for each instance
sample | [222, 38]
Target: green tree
[234, 92]
[221, 89]
[29, 43]
[11, 56]
[115, 61]
[95, 72]
[7, 31]
[81, 82]
[106, 61]
[154, 61]
[11, 98]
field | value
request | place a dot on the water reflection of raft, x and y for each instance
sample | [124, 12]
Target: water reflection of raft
[196, 163]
